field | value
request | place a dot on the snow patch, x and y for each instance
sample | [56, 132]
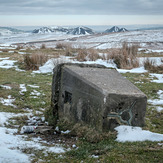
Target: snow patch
[158, 76]
[10, 143]
[134, 70]
[35, 93]
[159, 108]
[133, 134]
[7, 102]
[157, 101]
[156, 60]
[33, 86]
[7, 64]
[5, 86]
[23, 89]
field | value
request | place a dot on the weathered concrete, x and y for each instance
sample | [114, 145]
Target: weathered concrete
[97, 96]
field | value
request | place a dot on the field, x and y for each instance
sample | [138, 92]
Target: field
[25, 96]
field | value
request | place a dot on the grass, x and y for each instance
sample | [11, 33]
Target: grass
[15, 78]
[107, 150]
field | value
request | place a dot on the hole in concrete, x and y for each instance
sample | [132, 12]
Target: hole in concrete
[68, 97]
[136, 115]
[125, 116]
[120, 105]
[63, 96]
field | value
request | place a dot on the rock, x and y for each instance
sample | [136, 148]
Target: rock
[43, 129]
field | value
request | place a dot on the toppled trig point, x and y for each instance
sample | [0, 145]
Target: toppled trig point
[97, 96]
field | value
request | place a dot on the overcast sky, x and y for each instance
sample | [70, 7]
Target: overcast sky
[80, 12]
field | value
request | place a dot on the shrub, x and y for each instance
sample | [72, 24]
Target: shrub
[33, 61]
[43, 46]
[68, 50]
[60, 45]
[82, 54]
[151, 66]
[4, 50]
[125, 57]
[87, 54]
[92, 55]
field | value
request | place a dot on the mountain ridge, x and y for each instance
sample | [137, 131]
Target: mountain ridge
[74, 31]
[115, 29]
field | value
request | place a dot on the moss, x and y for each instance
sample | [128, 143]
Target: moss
[50, 117]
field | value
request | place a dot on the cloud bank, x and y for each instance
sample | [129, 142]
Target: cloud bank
[82, 7]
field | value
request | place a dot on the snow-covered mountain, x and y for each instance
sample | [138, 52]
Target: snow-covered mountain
[73, 31]
[43, 30]
[115, 29]
[9, 31]
[46, 30]
[80, 31]
[123, 30]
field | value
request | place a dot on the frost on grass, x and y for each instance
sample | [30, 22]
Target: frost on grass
[133, 134]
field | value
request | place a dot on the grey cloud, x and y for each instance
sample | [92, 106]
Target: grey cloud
[82, 7]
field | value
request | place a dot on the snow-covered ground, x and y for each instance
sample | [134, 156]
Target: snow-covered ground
[11, 145]
[11, 142]
[146, 39]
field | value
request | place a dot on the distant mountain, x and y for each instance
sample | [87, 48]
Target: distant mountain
[80, 31]
[115, 29]
[9, 31]
[60, 29]
[73, 31]
[123, 30]
[43, 30]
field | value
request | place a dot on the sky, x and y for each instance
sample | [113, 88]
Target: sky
[83, 12]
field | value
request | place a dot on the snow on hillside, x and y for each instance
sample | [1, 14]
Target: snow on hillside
[30, 37]
[149, 39]
[9, 31]
[4, 32]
